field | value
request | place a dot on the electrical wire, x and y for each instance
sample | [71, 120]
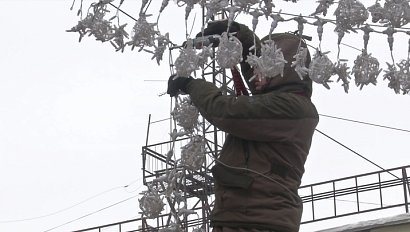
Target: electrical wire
[361, 156]
[94, 212]
[75, 205]
[366, 123]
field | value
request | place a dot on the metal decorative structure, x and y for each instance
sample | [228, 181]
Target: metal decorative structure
[179, 193]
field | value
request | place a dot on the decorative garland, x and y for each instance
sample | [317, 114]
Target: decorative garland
[349, 16]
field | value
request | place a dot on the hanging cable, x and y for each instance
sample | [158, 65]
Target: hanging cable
[361, 156]
[366, 123]
[77, 204]
[89, 214]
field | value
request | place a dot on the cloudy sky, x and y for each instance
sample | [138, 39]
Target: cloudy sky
[73, 116]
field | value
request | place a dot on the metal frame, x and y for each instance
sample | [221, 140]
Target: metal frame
[386, 192]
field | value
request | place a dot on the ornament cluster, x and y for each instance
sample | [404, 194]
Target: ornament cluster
[102, 22]
[189, 158]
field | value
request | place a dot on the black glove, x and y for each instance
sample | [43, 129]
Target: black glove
[178, 84]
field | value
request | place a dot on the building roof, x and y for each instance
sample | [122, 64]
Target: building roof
[371, 224]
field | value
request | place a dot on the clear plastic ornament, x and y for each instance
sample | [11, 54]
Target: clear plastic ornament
[151, 204]
[186, 115]
[271, 63]
[404, 75]
[365, 70]
[350, 13]
[229, 51]
[143, 33]
[396, 12]
[321, 69]
[187, 61]
[299, 62]
[193, 154]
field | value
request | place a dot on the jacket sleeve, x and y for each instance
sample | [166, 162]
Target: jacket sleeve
[265, 117]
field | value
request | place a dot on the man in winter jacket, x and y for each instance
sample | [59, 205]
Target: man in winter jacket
[260, 167]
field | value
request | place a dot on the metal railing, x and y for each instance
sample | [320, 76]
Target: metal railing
[368, 192]
[375, 191]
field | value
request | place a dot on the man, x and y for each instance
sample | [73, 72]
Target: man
[261, 164]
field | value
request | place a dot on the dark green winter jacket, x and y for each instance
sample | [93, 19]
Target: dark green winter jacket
[270, 134]
[261, 164]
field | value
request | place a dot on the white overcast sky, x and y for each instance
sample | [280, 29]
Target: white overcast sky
[73, 116]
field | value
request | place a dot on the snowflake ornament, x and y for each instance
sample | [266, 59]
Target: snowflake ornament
[350, 13]
[229, 51]
[300, 62]
[193, 154]
[213, 7]
[186, 115]
[119, 36]
[163, 41]
[189, 6]
[143, 33]
[187, 61]
[323, 7]
[392, 75]
[396, 13]
[365, 70]
[341, 70]
[245, 5]
[271, 63]
[377, 12]
[404, 75]
[205, 54]
[151, 204]
[267, 8]
[321, 69]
